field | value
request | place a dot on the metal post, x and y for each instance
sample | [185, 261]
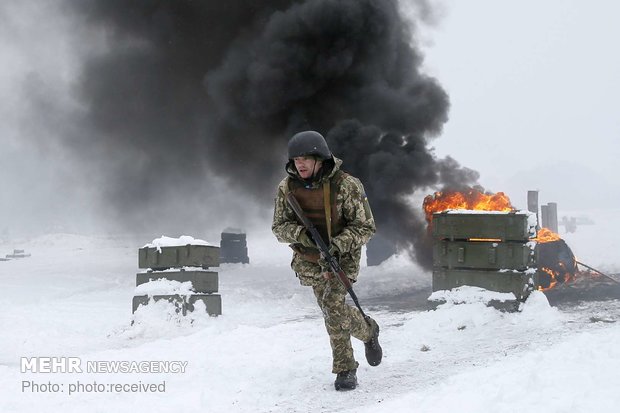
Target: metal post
[553, 216]
[532, 205]
[544, 214]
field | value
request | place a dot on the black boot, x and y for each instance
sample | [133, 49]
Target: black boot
[346, 380]
[374, 353]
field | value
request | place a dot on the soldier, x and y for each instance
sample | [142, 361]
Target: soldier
[336, 204]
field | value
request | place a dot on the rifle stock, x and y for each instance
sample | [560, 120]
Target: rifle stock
[324, 249]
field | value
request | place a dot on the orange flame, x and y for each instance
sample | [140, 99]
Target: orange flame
[546, 235]
[564, 275]
[471, 199]
[554, 279]
[557, 276]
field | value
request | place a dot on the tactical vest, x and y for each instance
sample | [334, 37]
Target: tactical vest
[312, 202]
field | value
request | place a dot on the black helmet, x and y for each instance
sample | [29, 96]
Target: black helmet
[308, 143]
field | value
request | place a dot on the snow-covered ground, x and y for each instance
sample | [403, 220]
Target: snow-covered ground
[269, 352]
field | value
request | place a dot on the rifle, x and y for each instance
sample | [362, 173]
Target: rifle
[331, 260]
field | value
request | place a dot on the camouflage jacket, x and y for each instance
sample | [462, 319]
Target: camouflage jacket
[352, 207]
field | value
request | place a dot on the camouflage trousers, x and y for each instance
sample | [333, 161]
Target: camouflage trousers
[341, 321]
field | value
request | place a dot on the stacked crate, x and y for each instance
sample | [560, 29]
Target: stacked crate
[170, 263]
[234, 247]
[491, 250]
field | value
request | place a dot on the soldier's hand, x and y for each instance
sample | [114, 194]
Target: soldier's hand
[334, 251]
[305, 240]
[328, 275]
[325, 267]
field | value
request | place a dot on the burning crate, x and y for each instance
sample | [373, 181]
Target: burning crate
[491, 250]
[170, 263]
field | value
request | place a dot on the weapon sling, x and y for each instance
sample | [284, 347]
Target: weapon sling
[328, 209]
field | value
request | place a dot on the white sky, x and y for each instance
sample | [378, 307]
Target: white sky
[535, 93]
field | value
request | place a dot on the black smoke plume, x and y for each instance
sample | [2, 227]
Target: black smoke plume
[197, 89]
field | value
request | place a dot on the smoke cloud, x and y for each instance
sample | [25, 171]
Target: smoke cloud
[207, 93]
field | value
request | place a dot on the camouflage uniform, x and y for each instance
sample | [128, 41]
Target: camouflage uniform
[351, 208]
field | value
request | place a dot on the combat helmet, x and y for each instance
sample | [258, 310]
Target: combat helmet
[308, 143]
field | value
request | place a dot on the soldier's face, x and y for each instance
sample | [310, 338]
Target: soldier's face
[307, 166]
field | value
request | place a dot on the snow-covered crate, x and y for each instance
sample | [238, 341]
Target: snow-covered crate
[184, 303]
[204, 282]
[520, 283]
[160, 258]
[465, 225]
[488, 255]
